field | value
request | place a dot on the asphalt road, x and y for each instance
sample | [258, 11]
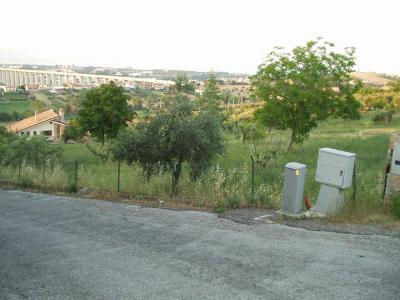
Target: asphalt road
[60, 247]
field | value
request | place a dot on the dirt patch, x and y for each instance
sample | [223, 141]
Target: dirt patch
[141, 200]
[249, 216]
[252, 216]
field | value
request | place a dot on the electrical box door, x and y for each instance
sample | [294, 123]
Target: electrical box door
[335, 167]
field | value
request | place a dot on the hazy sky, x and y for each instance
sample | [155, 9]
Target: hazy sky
[198, 35]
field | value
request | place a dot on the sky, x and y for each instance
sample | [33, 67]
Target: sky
[201, 35]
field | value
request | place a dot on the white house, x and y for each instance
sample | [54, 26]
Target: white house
[47, 123]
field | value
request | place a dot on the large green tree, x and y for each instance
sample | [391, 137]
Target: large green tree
[104, 111]
[211, 98]
[304, 87]
[182, 133]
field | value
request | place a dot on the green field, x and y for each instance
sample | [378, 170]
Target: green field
[230, 175]
[18, 106]
[22, 103]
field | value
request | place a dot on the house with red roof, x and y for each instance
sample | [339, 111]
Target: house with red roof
[47, 123]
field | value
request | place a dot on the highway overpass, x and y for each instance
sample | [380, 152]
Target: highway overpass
[47, 79]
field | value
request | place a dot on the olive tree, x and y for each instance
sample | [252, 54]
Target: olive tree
[180, 134]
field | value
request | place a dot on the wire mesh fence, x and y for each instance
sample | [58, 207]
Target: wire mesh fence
[243, 181]
[249, 181]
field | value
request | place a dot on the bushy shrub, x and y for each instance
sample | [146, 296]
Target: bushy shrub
[379, 117]
[220, 207]
[233, 201]
[26, 182]
[71, 188]
[383, 116]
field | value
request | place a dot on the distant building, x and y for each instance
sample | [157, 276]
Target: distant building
[47, 123]
[57, 90]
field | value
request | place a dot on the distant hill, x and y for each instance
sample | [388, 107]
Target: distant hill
[373, 79]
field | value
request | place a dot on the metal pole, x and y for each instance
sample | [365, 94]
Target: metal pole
[353, 196]
[119, 172]
[44, 170]
[19, 170]
[252, 176]
[76, 175]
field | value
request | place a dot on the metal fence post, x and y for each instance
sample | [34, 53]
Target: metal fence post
[353, 196]
[44, 170]
[76, 174]
[19, 170]
[252, 176]
[119, 172]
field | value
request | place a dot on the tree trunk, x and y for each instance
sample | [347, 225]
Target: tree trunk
[292, 138]
[176, 173]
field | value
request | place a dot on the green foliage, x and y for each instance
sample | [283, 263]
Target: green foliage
[26, 182]
[304, 87]
[248, 131]
[20, 107]
[9, 117]
[378, 98]
[230, 173]
[389, 109]
[383, 116]
[102, 151]
[184, 85]
[104, 111]
[71, 187]
[37, 151]
[180, 134]
[13, 96]
[395, 208]
[395, 85]
[211, 98]
[220, 207]
[38, 106]
[74, 131]
[233, 201]
[380, 117]
[5, 146]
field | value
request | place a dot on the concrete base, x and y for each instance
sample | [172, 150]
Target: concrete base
[330, 200]
[303, 215]
[392, 187]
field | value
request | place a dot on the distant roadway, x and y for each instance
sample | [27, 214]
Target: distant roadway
[71, 248]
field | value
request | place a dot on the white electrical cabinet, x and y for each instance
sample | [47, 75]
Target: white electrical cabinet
[335, 167]
[395, 165]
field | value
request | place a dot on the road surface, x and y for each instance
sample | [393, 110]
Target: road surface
[71, 248]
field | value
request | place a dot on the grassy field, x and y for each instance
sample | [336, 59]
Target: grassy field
[21, 103]
[229, 178]
[18, 106]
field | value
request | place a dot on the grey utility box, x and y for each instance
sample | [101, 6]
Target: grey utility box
[293, 188]
[335, 167]
[335, 173]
